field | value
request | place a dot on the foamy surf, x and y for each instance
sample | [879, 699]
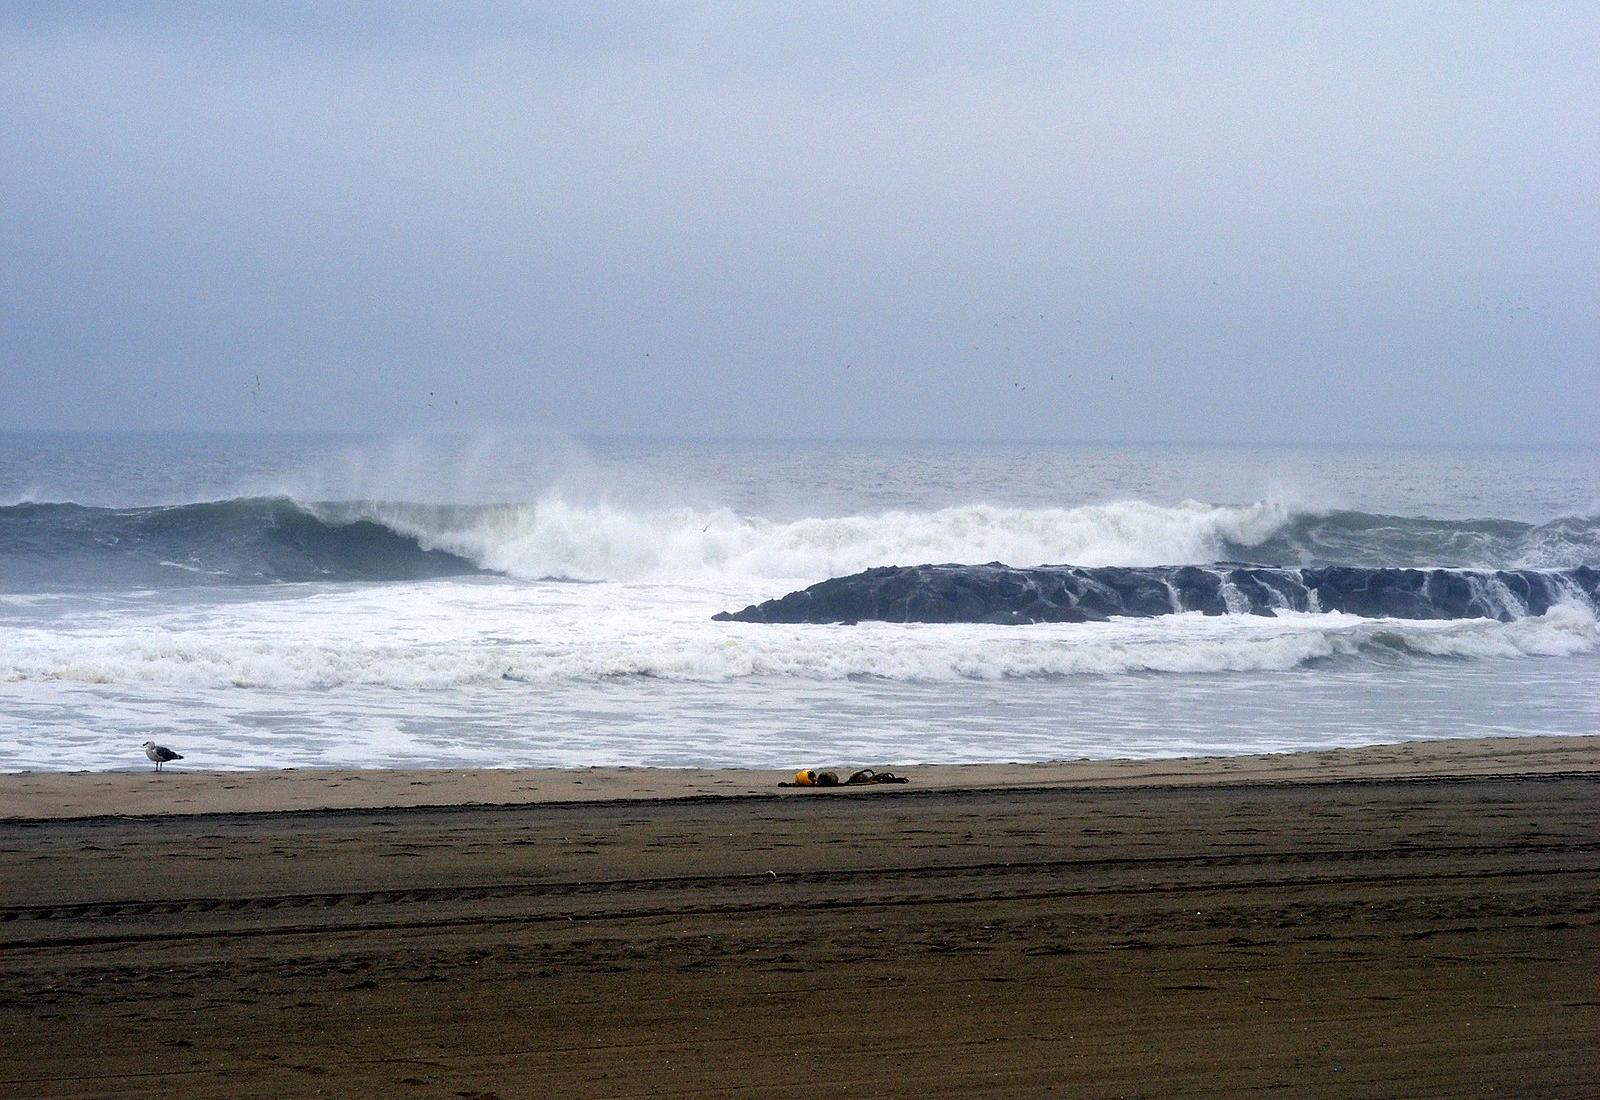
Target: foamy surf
[336, 642]
[560, 538]
[556, 538]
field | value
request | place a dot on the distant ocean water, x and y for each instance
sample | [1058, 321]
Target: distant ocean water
[268, 601]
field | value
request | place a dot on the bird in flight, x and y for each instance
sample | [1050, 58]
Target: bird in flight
[160, 754]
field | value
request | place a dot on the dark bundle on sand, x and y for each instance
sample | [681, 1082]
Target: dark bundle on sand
[809, 777]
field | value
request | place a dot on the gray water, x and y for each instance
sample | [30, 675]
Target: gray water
[587, 638]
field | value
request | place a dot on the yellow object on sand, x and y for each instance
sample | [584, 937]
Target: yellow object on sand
[810, 777]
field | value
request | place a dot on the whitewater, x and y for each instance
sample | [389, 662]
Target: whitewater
[369, 603]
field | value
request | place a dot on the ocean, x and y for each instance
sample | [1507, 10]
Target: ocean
[516, 599]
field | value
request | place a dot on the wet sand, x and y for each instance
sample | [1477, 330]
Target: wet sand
[1428, 926]
[186, 789]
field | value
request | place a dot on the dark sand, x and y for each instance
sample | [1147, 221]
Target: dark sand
[1364, 937]
[188, 789]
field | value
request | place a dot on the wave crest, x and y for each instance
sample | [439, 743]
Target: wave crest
[557, 539]
[249, 540]
[263, 540]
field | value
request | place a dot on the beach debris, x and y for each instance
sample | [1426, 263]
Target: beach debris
[810, 777]
[160, 754]
[868, 775]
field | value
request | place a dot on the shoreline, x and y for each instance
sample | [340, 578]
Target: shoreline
[1366, 923]
[59, 796]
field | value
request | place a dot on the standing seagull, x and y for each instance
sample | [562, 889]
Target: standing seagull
[159, 754]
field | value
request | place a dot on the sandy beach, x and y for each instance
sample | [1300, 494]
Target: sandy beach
[1419, 919]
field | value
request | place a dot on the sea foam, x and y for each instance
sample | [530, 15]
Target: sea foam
[558, 538]
[555, 538]
[337, 642]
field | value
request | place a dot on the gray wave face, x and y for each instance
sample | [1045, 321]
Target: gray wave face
[244, 541]
[1368, 539]
[996, 593]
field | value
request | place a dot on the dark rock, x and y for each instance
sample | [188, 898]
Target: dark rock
[997, 593]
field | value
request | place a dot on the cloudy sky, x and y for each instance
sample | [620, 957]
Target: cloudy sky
[1373, 224]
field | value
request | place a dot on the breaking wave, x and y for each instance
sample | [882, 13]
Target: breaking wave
[267, 540]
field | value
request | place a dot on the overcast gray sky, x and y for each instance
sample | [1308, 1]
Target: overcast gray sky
[1223, 222]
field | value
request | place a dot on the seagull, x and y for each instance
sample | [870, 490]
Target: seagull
[160, 754]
